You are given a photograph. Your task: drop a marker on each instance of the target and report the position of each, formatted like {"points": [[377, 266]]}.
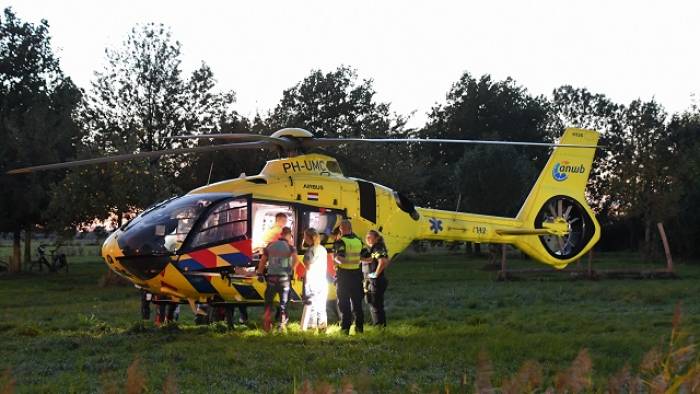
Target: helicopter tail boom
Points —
{"points": [[555, 224]]}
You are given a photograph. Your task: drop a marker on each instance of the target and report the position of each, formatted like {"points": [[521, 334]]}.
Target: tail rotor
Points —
{"points": [[579, 226]]}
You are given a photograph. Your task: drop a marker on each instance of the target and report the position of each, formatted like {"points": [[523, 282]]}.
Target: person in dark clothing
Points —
{"points": [[346, 252], [243, 314], [146, 305], [374, 263], [167, 311]]}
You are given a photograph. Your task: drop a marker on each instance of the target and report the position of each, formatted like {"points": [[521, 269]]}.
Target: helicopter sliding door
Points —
{"points": [[220, 239], [226, 222]]}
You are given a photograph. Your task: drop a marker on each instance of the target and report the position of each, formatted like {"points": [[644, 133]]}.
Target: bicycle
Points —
{"points": [[55, 262]]}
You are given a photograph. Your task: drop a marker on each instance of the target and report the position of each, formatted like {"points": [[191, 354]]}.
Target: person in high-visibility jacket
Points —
{"points": [[349, 278]]}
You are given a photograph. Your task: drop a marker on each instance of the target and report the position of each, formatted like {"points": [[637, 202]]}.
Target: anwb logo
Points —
{"points": [[561, 171]]}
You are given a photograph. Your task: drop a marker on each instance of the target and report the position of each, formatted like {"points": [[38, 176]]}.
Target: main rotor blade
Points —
{"points": [[143, 155], [244, 137], [338, 141], [225, 136]]}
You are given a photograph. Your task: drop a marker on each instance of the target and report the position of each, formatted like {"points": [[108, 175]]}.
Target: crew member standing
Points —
{"points": [[270, 235], [349, 278], [279, 257], [316, 283], [375, 280]]}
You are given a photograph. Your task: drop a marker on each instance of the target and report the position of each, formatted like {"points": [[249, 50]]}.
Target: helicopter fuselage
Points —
{"points": [[202, 246]]}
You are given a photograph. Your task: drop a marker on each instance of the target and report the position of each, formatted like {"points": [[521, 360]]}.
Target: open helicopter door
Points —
{"points": [[323, 220], [264, 231], [219, 242]]}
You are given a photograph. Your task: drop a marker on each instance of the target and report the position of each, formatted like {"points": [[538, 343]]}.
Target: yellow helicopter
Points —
{"points": [[200, 247]]}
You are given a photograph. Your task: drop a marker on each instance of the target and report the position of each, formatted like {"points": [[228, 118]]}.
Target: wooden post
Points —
{"points": [[504, 275], [667, 249]]}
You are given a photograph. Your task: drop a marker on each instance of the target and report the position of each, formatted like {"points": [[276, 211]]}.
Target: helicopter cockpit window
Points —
{"points": [[226, 222], [161, 229], [185, 216], [324, 222], [333, 166]]}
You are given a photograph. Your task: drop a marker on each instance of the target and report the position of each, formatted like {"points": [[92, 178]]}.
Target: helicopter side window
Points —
{"points": [[324, 221], [226, 222]]}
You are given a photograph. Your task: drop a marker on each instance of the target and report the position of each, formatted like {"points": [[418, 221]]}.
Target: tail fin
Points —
{"points": [[557, 202]]}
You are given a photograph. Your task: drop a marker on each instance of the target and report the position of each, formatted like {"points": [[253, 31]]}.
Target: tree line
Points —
{"points": [[647, 173]]}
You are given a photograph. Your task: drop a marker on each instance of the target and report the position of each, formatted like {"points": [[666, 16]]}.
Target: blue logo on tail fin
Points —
{"points": [[561, 171]]}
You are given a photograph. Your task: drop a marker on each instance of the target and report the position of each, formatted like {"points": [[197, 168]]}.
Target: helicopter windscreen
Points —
{"points": [[162, 229]]}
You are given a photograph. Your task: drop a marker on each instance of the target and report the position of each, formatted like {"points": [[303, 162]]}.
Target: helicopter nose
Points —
{"points": [[137, 268], [111, 254]]}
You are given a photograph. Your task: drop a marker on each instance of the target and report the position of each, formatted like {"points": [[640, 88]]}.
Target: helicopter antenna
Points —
{"points": [[210, 170]]}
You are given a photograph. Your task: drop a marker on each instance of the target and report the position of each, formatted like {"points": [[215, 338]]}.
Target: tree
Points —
{"points": [[337, 104], [135, 103], [684, 132], [482, 109], [111, 191], [644, 187], [36, 105], [484, 164], [140, 97]]}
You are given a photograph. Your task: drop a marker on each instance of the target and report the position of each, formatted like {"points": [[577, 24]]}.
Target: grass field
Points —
{"points": [[63, 333]]}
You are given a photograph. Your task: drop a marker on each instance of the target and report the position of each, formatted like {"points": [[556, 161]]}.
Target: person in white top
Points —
{"points": [[316, 287]]}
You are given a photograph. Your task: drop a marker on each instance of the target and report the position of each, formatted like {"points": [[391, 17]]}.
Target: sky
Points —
{"points": [[413, 50]]}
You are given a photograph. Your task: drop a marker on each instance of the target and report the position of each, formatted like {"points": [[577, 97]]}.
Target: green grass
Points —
{"points": [[63, 333]]}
